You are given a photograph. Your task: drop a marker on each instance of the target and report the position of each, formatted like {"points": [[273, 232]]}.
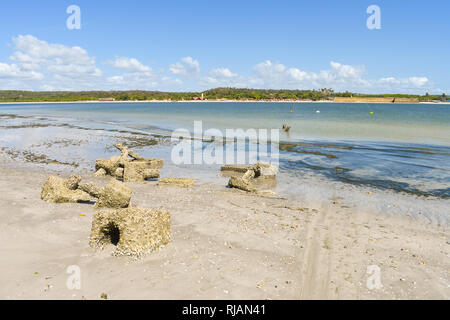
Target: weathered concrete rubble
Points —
{"points": [[129, 166], [265, 170], [114, 195], [179, 182], [259, 170], [100, 172], [59, 190], [241, 183], [72, 182], [119, 172], [108, 165], [90, 188], [137, 171], [234, 168], [133, 231]]}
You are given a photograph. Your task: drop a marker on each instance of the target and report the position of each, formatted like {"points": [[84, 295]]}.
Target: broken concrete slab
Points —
{"points": [[114, 195], [137, 171], [72, 182], [151, 173], [242, 184], [155, 163], [109, 165], [55, 190], [125, 153], [90, 188], [129, 166], [262, 169], [119, 173], [234, 168], [133, 231], [250, 174], [100, 172], [254, 176], [179, 182]]}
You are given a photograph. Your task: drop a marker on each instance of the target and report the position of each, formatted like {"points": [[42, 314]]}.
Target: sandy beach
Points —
{"points": [[226, 244]]}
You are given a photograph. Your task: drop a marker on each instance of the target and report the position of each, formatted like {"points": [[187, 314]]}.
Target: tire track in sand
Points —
{"points": [[316, 259]]}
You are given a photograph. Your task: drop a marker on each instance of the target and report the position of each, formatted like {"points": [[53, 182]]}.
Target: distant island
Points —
{"points": [[217, 94]]}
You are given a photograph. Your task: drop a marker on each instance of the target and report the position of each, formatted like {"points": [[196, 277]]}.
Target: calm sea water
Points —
{"points": [[397, 147], [413, 123]]}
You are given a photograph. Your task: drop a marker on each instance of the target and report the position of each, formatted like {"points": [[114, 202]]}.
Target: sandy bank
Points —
{"points": [[226, 244]]}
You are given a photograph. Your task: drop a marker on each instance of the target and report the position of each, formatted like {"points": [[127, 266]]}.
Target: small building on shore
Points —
{"points": [[198, 98], [106, 99]]}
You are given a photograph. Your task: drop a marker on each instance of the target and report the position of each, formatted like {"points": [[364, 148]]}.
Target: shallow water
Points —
{"points": [[399, 150], [415, 123]]}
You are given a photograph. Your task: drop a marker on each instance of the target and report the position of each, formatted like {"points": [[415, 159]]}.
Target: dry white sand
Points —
{"points": [[226, 244]]}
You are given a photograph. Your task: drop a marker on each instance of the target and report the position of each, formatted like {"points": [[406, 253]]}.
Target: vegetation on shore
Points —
{"points": [[212, 94]]}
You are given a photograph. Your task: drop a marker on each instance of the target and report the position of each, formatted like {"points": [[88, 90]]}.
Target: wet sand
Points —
{"points": [[226, 244]]}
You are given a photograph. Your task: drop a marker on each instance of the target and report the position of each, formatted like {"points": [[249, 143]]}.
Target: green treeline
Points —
{"points": [[212, 94]]}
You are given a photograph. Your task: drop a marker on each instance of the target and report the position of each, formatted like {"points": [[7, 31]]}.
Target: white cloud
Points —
{"points": [[277, 75], [38, 65], [268, 69], [223, 73], [221, 77], [61, 67], [187, 66], [136, 76], [345, 71], [142, 81], [33, 54], [116, 79], [418, 81], [16, 72], [412, 81], [129, 64], [339, 76]]}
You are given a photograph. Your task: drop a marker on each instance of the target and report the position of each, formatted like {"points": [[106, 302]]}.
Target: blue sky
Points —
{"points": [[196, 45]]}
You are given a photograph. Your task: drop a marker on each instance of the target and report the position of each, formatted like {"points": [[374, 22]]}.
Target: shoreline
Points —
{"points": [[214, 101], [76, 143], [226, 244]]}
